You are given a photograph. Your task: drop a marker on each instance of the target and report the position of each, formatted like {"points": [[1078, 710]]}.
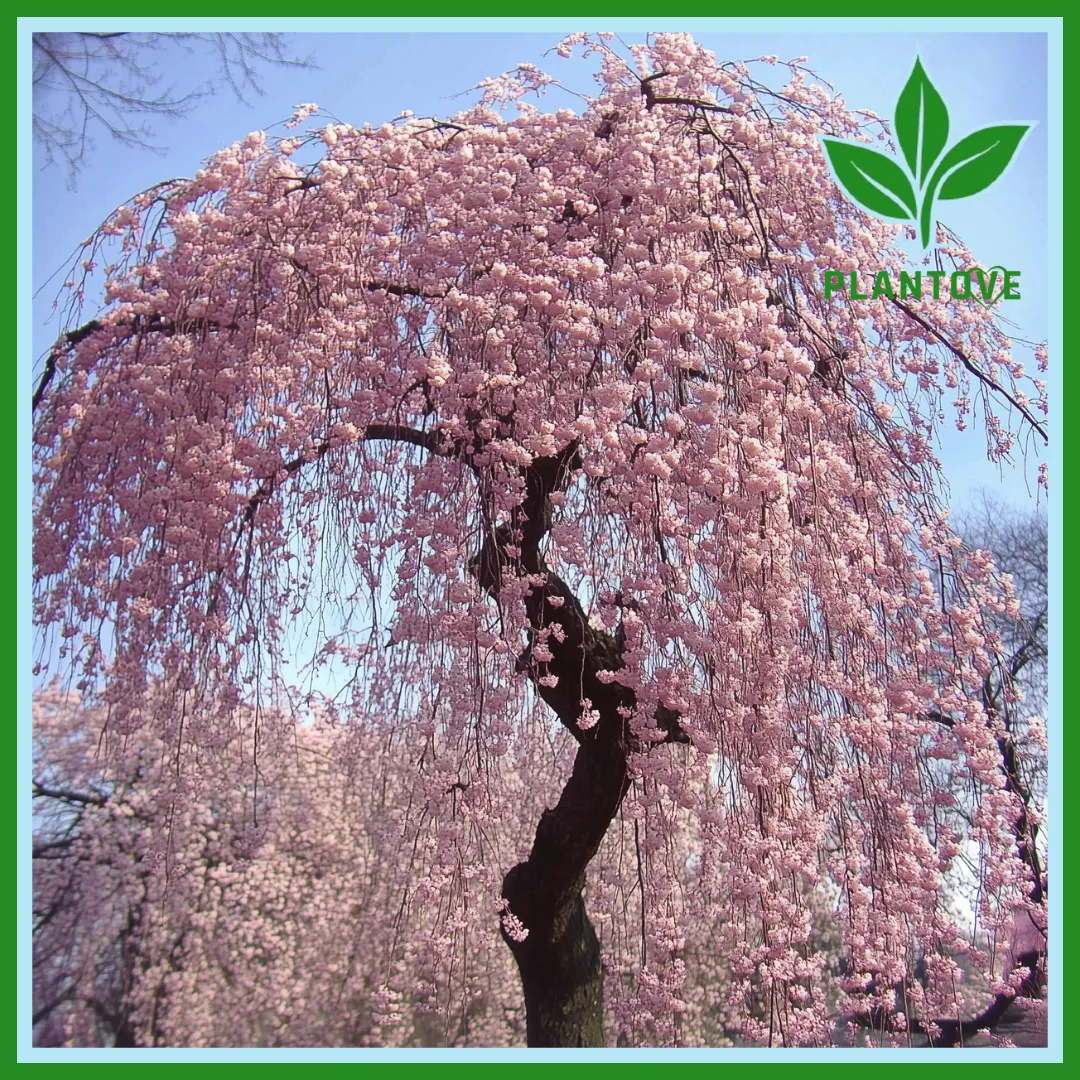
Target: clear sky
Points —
{"points": [[985, 78]]}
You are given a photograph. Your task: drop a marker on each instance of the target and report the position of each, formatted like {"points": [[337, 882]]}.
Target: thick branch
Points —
{"points": [[149, 324], [584, 650], [45, 1010], [401, 290], [653, 98], [426, 440], [67, 341], [163, 324]]}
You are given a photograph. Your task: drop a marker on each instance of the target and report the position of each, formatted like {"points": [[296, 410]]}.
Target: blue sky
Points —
{"points": [[985, 78]]}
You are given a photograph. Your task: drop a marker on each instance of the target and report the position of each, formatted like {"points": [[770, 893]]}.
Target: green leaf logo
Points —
{"points": [[922, 123], [874, 180], [877, 183], [974, 163]]}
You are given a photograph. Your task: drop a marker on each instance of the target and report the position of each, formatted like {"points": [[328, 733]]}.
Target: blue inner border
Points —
{"points": [[1052, 27]]}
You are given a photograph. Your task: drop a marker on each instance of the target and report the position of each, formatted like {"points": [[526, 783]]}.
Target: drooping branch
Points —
{"points": [[975, 370], [947, 1033]]}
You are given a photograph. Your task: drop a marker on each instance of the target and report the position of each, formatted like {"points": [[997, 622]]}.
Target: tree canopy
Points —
{"points": [[524, 449]]}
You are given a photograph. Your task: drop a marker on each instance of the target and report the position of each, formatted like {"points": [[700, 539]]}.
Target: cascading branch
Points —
{"points": [[483, 425]]}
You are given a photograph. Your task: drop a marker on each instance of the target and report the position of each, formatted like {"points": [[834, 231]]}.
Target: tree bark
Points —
{"points": [[559, 959], [561, 974]]}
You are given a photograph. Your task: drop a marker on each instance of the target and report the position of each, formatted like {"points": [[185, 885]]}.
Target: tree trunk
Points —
{"points": [[561, 976], [559, 959]]}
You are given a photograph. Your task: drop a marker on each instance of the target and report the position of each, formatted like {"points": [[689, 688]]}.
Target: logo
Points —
{"points": [[877, 183], [961, 285]]}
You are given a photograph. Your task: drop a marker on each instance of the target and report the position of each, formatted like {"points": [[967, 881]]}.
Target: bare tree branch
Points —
{"points": [[64, 795], [88, 83]]}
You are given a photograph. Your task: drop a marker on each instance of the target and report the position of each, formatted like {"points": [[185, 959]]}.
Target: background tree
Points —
{"points": [[1014, 692], [1019, 545], [272, 915], [108, 83], [1017, 692], [542, 421], [289, 919], [1018, 687]]}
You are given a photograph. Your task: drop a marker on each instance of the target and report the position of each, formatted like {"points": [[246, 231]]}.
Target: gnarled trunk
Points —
{"points": [[559, 959]]}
